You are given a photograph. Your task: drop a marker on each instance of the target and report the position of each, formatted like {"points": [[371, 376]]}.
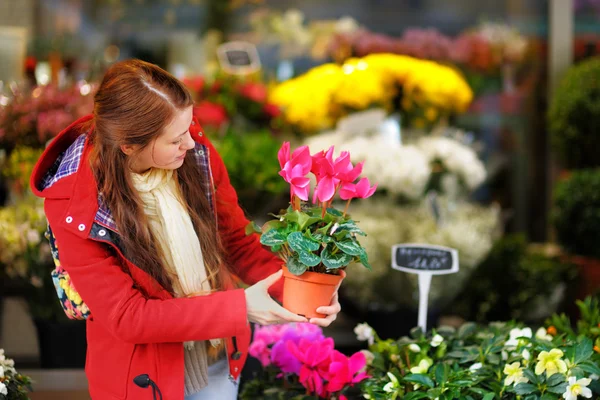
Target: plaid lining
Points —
{"points": [[68, 162], [201, 154]]}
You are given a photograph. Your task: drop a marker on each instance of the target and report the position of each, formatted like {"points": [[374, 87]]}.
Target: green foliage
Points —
{"points": [[251, 161], [311, 240], [576, 213], [474, 361], [512, 281], [574, 115]]}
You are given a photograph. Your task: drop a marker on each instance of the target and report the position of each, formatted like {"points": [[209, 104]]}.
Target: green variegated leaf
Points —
{"points": [[364, 260], [309, 259], [351, 227], [299, 243], [335, 261], [295, 267], [350, 247], [273, 237]]}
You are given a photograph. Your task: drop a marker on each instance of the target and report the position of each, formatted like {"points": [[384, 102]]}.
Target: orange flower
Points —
{"points": [[551, 330], [597, 349]]}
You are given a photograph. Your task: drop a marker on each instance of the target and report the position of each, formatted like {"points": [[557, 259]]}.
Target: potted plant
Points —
{"points": [[299, 362], [576, 219], [315, 241]]}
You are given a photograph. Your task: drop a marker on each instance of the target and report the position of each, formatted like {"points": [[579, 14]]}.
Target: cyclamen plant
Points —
{"points": [[318, 237], [300, 362]]}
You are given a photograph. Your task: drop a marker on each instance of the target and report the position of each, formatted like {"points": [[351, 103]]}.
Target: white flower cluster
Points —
{"points": [[457, 158], [7, 369], [405, 170], [469, 228]]}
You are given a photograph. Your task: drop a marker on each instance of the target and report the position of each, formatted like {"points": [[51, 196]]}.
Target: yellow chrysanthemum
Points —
{"points": [[316, 99]]}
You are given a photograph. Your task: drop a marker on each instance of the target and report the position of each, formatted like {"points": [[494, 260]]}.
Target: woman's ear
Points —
{"points": [[128, 149]]}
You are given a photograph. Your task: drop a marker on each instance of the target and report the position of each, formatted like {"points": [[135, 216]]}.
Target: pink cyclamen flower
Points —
{"points": [[283, 155], [324, 170], [344, 170], [361, 190], [282, 357], [260, 350], [294, 170], [315, 358], [346, 371]]}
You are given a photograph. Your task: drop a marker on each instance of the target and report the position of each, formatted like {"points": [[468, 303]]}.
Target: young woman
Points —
{"points": [[147, 225]]}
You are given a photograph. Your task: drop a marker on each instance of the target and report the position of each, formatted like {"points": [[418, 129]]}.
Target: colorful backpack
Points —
{"points": [[70, 300]]}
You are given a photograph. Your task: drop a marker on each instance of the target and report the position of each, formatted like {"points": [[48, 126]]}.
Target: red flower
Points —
{"points": [[254, 91], [210, 113], [30, 63], [271, 110], [195, 83], [216, 87]]}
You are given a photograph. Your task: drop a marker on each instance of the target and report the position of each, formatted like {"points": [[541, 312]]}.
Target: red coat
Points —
{"points": [[135, 326]]}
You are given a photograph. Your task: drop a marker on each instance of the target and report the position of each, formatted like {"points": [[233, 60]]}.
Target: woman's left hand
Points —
{"points": [[331, 311]]}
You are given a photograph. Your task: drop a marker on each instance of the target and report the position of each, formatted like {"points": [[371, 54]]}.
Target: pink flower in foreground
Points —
{"points": [[315, 358], [295, 170], [361, 190], [260, 350], [346, 371]]}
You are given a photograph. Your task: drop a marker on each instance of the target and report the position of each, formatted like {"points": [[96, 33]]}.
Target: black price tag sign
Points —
{"points": [[416, 258], [240, 58]]}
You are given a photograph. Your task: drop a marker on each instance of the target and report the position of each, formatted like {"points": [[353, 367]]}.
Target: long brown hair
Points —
{"points": [[133, 105]]}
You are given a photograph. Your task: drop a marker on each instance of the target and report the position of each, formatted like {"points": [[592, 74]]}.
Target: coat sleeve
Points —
{"points": [[111, 295], [251, 261]]}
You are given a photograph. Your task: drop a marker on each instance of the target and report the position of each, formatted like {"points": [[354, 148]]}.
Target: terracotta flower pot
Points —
{"points": [[303, 294]]}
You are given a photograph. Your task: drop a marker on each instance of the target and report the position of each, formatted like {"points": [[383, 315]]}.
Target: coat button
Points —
{"points": [[200, 152], [81, 227], [69, 219], [193, 122], [237, 355], [200, 133], [102, 232]]}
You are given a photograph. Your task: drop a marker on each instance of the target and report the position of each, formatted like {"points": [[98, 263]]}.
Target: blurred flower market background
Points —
{"points": [[477, 120]]}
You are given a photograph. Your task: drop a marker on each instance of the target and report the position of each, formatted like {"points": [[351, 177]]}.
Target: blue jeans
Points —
{"points": [[219, 385]]}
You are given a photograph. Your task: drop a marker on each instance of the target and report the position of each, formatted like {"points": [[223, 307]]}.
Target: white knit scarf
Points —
{"points": [[172, 226]]}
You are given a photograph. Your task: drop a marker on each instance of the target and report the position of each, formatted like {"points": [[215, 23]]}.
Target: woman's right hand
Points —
{"points": [[262, 309]]}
